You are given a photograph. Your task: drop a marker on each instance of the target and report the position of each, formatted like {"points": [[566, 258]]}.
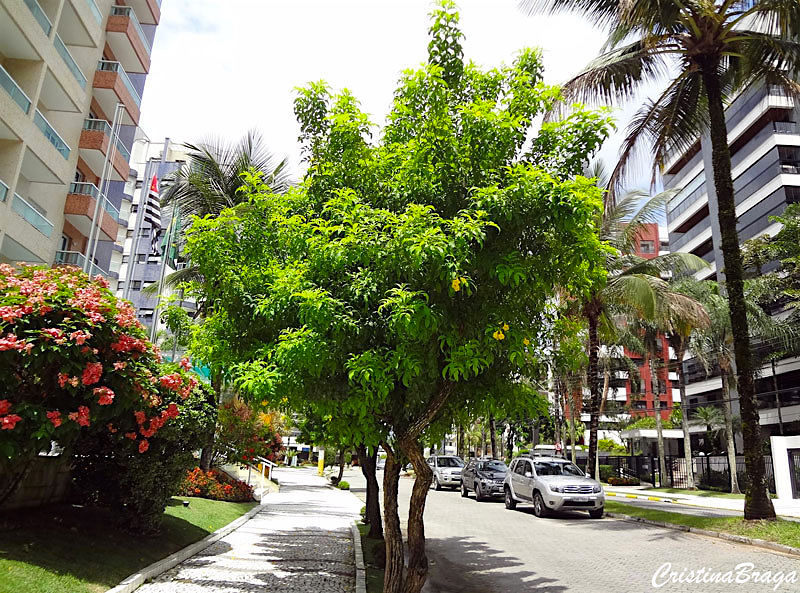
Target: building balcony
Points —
{"points": [[81, 23], [78, 260], [13, 90], [111, 86], [52, 136], [95, 144], [3, 191], [30, 214], [148, 11], [127, 40], [80, 207], [72, 65]]}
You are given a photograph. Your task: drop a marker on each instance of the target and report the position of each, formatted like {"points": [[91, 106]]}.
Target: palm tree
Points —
{"points": [[714, 48], [634, 285], [713, 419]]}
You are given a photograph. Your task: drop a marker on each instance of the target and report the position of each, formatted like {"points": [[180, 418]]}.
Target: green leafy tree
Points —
{"points": [[413, 274], [709, 50]]}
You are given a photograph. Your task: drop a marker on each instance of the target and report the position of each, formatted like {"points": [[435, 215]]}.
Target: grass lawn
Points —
{"points": [[780, 531], [64, 549], [374, 574]]}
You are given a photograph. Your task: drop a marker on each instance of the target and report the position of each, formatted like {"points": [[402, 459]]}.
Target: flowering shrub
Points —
{"points": [[215, 485], [244, 434], [73, 357]]}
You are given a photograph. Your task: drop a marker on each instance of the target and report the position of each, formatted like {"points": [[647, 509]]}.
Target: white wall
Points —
{"points": [[780, 463]]}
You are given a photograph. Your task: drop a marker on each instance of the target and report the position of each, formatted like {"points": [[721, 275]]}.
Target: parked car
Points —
{"points": [[552, 484], [485, 477], [446, 470]]}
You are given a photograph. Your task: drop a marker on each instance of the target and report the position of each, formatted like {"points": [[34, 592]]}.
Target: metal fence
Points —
{"points": [[711, 472], [794, 471]]}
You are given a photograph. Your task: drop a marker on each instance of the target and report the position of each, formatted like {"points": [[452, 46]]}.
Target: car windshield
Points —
{"points": [[556, 468], [450, 462], [493, 466]]}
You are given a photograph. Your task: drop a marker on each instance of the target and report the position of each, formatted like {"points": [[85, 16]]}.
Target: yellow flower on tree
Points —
{"points": [[498, 335], [526, 341], [456, 284], [505, 327]]}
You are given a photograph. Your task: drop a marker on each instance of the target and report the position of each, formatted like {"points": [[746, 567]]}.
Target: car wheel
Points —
{"points": [[511, 504], [464, 493], [596, 513], [478, 492], [436, 484], [539, 508]]}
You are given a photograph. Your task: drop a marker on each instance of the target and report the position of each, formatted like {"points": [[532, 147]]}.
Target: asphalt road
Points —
{"points": [[485, 548]]}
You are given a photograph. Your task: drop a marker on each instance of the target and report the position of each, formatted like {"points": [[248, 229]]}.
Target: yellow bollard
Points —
{"points": [[321, 462]]}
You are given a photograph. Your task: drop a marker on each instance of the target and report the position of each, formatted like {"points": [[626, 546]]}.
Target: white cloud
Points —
{"points": [[223, 67]]}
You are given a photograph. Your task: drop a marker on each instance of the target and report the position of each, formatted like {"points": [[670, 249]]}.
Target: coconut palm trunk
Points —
{"points": [[680, 352], [757, 503], [594, 389], [662, 460], [730, 444]]}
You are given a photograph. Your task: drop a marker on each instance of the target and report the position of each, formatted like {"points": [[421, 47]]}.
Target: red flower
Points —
{"points": [[130, 435], [172, 411], [92, 373], [140, 417], [5, 407], [172, 381], [143, 446], [54, 417], [105, 396], [80, 337], [81, 417], [8, 422]]}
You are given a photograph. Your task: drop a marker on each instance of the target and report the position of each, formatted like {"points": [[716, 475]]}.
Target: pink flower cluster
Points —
{"points": [[80, 337], [55, 418], [7, 420], [64, 378], [126, 316], [105, 396], [11, 342], [92, 372], [127, 343], [89, 301], [173, 381], [81, 416]]}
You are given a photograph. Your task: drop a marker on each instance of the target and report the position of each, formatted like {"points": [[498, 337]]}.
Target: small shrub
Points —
{"points": [[606, 472], [623, 481], [343, 485], [523, 452], [215, 485]]}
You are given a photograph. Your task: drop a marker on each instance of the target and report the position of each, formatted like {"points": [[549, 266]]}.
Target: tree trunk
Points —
{"points": [[510, 440], [393, 537], [341, 466], [368, 463], [493, 436], [662, 460], [483, 440], [757, 504], [207, 453], [730, 444], [573, 433], [687, 437], [417, 570], [594, 390]]}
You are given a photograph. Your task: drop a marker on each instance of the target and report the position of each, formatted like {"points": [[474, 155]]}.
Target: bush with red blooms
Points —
{"points": [[75, 360], [244, 434], [216, 485]]}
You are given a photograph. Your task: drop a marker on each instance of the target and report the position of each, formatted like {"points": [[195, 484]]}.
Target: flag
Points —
{"points": [[152, 208]]}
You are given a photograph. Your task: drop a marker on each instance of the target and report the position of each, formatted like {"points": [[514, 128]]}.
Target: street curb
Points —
{"points": [[136, 580], [739, 539], [650, 498], [361, 569]]}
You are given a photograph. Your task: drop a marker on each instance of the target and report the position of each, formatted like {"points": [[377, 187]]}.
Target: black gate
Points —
{"points": [[794, 471]]}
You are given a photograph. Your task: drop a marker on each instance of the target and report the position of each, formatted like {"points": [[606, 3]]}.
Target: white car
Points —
{"points": [[446, 470], [552, 484]]}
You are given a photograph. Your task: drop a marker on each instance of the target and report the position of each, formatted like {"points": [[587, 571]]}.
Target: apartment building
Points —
{"points": [[65, 66], [764, 139], [139, 265]]}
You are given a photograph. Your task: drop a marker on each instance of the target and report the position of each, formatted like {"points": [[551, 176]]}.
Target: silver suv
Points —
{"points": [[552, 484], [446, 470]]}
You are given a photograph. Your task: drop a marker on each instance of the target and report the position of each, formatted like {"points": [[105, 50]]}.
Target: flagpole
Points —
{"points": [[95, 236], [164, 254]]}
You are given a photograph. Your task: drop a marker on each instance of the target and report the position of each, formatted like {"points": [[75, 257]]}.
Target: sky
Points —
{"points": [[222, 67]]}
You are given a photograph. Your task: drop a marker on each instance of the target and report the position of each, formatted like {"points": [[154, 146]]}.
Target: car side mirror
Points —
{"points": [[528, 474]]}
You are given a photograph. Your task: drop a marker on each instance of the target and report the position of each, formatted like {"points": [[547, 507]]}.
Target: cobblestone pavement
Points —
{"points": [[301, 543], [483, 548]]}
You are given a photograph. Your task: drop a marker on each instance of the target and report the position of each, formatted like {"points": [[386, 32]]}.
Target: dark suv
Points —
{"points": [[484, 477]]}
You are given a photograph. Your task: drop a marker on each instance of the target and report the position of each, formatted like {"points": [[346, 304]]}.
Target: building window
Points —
{"points": [[148, 283], [141, 258], [137, 285], [144, 232], [129, 234], [662, 386], [126, 259], [146, 313], [792, 194], [640, 405], [647, 246], [120, 285], [134, 208]]}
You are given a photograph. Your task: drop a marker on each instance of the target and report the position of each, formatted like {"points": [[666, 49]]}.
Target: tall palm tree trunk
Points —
{"points": [[757, 504], [687, 438], [662, 459], [730, 444], [573, 433], [594, 390]]}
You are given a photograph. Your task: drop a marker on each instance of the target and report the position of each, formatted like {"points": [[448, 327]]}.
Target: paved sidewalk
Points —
{"points": [[300, 543], [784, 508]]}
